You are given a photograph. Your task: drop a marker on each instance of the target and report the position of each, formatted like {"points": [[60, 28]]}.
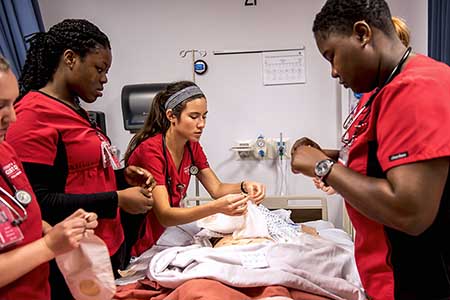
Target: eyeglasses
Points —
{"points": [[18, 219]]}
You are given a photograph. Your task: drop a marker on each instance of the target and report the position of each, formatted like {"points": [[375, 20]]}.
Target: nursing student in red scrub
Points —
{"points": [[66, 156], [396, 151], [27, 243], [168, 146]]}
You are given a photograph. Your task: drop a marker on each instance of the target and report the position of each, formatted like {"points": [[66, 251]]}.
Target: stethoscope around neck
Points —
{"points": [[193, 169], [352, 116], [21, 199]]}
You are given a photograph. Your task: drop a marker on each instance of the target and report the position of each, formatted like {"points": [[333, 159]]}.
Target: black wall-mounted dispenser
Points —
{"points": [[136, 101]]}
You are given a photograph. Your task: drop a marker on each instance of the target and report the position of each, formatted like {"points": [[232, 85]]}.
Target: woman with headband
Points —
{"points": [[168, 146]]}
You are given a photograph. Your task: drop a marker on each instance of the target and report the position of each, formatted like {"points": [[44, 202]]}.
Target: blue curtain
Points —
{"points": [[18, 18], [439, 30]]}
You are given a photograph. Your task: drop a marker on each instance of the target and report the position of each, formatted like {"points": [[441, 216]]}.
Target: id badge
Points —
{"points": [[182, 202], [9, 233], [343, 155], [108, 157]]}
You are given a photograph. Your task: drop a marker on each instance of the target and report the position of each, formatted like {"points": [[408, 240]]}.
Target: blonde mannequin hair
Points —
{"points": [[402, 30]]}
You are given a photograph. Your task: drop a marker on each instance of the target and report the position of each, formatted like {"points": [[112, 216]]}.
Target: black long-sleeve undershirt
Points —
{"points": [[48, 184]]}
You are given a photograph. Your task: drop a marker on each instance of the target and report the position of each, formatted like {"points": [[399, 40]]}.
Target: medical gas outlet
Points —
{"points": [[281, 145], [263, 148], [260, 147]]}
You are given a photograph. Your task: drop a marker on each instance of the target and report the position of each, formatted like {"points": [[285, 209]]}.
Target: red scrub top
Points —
{"points": [[408, 122], [42, 123], [33, 285], [149, 155]]}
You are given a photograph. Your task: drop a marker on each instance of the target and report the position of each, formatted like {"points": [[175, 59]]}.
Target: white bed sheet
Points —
{"points": [[312, 264], [323, 265]]}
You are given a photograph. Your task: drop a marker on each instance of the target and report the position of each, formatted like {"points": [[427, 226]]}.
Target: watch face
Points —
{"points": [[323, 167]]}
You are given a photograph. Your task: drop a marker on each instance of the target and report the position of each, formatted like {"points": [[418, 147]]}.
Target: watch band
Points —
{"points": [[324, 179]]}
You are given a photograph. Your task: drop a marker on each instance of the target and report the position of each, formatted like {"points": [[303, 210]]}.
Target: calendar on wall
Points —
{"points": [[284, 67]]}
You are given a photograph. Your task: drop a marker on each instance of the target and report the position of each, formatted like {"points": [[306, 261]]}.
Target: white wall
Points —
{"points": [[415, 12], [147, 36]]}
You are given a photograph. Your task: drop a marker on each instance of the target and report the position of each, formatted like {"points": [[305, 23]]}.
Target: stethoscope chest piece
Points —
{"points": [[193, 170], [23, 197]]}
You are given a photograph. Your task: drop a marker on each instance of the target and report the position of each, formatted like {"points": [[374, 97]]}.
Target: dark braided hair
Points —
{"points": [[338, 16], [46, 48], [157, 121]]}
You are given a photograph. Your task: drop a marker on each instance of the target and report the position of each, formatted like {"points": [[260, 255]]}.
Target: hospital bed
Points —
{"points": [[303, 209]]}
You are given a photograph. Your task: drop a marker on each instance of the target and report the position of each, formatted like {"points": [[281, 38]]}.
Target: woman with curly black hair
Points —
{"points": [[66, 156]]}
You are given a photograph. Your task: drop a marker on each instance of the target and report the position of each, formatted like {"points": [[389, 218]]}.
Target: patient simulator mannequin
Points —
{"points": [[168, 146]]}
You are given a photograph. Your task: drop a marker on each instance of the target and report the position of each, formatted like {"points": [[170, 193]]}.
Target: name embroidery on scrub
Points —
{"points": [[398, 156], [12, 170]]}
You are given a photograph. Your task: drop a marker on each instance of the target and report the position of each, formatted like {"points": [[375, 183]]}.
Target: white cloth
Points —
{"points": [[251, 225], [255, 225], [313, 265], [322, 264], [181, 235], [222, 223]]}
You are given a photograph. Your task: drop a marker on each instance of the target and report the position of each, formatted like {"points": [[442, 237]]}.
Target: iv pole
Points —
{"points": [[183, 54]]}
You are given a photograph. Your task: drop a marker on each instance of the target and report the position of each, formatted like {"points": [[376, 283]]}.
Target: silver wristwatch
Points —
{"points": [[323, 168]]}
